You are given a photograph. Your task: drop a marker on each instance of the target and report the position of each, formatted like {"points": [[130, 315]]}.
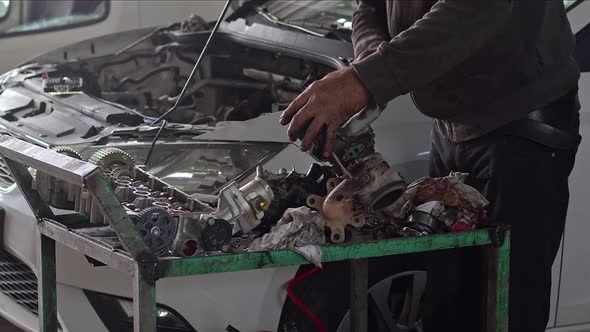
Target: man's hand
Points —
{"points": [[327, 103]]}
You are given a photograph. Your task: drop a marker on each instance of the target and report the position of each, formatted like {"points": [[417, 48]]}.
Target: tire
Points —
{"points": [[396, 285]]}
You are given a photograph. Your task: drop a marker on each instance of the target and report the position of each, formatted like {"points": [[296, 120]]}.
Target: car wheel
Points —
{"points": [[396, 288]]}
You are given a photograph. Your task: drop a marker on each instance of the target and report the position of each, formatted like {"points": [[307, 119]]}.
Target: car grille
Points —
{"points": [[6, 179], [18, 282]]}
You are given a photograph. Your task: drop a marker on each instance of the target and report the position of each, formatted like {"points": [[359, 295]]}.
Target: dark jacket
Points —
{"points": [[475, 65]]}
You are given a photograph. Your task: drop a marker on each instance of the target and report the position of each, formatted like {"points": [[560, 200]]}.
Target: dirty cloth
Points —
{"points": [[300, 229], [458, 205]]}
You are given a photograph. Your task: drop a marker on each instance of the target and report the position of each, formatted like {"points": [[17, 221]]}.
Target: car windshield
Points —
{"points": [[328, 13]]}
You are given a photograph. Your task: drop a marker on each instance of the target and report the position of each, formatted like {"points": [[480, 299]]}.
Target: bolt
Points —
{"points": [[211, 221], [155, 231], [262, 205]]}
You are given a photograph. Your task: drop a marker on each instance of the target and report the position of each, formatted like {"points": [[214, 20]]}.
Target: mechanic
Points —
{"points": [[499, 79]]}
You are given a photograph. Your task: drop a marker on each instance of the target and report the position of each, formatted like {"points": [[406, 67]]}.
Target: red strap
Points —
{"points": [[306, 311]]}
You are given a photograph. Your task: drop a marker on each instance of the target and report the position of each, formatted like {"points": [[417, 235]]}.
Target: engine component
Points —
{"points": [[62, 85], [291, 189], [142, 199], [244, 207], [112, 159], [369, 185], [157, 227], [238, 210], [67, 151], [123, 190], [421, 223], [57, 193], [198, 232], [217, 235], [160, 211], [188, 239]]}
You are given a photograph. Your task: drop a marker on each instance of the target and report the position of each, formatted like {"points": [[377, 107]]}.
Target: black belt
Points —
{"points": [[545, 126]]}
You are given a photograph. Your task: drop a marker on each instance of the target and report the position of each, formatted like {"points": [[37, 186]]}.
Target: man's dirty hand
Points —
{"points": [[327, 103]]}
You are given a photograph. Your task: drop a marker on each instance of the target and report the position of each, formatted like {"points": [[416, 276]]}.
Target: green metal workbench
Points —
{"points": [[145, 268]]}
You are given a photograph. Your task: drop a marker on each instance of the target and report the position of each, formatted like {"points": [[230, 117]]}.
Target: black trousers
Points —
{"points": [[527, 184]]}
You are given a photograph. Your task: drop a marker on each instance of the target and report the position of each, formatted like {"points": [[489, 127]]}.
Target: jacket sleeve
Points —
{"points": [[451, 32], [369, 24]]}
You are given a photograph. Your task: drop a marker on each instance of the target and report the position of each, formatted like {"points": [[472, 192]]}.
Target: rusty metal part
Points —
{"points": [[371, 187], [337, 209]]}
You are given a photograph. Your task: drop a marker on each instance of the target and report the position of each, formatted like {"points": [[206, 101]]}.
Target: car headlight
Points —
{"points": [[116, 314]]}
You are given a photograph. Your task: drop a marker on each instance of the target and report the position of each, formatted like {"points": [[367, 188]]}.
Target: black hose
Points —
{"points": [[147, 75]]}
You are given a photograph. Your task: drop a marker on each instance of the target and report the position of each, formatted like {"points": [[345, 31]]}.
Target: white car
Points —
{"points": [[264, 54]]}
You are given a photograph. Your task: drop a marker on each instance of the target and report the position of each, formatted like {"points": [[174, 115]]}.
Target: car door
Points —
{"points": [[573, 305]]}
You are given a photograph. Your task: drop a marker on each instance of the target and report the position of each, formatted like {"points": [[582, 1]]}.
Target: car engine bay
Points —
{"points": [[84, 101]]}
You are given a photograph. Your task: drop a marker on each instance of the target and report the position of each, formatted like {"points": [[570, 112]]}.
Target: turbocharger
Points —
{"points": [[367, 183]]}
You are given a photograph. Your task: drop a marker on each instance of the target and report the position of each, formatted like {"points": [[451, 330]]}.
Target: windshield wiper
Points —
{"points": [[262, 11]]}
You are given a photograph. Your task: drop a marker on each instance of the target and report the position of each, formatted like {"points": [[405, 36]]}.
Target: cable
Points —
{"points": [[190, 78], [149, 154], [138, 41], [196, 66], [297, 301]]}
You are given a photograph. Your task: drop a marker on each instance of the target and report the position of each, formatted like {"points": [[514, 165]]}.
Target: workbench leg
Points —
{"points": [[498, 260], [47, 285], [359, 285], [144, 302]]}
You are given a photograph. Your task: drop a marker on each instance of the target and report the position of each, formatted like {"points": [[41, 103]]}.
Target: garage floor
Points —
{"points": [[7, 327]]}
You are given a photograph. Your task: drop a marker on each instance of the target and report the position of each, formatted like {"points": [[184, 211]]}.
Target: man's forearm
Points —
{"points": [[451, 32], [369, 26]]}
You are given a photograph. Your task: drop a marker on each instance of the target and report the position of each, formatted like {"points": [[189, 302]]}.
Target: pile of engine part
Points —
{"points": [[287, 210], [365, 188], [169, 221], [434, 205]]}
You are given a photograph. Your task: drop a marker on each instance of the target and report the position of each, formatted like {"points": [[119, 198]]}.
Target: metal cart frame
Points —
{"points": [[145, 268]]}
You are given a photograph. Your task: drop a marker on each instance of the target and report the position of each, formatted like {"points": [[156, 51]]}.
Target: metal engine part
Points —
{"points": [[157, 227], [368, 185], [291, 189], [57, 193], [421, 223], [116, 161], [199, 232], [244, 207], [167, 219], [238, 210], [217, 235]]}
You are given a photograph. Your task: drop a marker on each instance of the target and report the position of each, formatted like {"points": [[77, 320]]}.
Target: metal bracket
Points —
{"points": [[498, 234], [149, 270]]}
